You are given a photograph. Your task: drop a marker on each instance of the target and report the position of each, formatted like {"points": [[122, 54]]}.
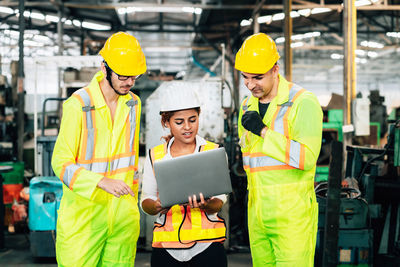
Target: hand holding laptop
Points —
{"points": [[159, 208], [188, 175], [209, 205]]}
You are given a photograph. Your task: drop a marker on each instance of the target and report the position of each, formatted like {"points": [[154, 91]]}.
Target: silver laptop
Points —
{"points": [[205, 172]]}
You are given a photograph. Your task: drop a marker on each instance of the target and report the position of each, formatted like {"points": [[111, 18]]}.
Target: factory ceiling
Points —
{"points": [[176, 32]]}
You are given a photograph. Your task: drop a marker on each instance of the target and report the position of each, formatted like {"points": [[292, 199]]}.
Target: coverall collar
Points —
{"points": [[283, 90], [281, 97]]}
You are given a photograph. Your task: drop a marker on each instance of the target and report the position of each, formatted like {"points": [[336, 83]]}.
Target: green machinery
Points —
{"points": [[368, 223], [332, 130]]}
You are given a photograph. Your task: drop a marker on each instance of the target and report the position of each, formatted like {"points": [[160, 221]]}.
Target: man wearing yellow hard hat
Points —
{"points": [[280, 131], [96, 158]]}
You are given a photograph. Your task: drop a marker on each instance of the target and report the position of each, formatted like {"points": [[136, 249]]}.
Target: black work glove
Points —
{"points": [[252, 122]]}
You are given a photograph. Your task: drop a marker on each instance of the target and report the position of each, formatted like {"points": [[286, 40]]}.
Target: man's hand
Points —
{"points": [[252, 122], [115, 187]]}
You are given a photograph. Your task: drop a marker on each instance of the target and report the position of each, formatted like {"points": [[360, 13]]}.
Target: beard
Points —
{"points": [[118, 92]]}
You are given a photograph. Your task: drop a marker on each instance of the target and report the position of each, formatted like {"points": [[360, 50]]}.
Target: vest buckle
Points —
{"points": [[88, 108]]}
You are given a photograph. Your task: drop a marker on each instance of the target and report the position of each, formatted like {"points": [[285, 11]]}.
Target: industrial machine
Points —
{"points": [[45, 196], [332, 130], [45, 144], [369, 209], [378, 174]]}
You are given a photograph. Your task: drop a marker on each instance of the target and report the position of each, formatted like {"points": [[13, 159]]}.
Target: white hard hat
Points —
{"points": [[178, 96]]}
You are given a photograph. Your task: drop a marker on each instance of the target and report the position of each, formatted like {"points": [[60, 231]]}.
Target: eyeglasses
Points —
{"points": [[122, 77]]}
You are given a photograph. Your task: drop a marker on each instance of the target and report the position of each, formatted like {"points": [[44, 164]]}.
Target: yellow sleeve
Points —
{"points": [[137, 130], [305, 122], [240, 127]]}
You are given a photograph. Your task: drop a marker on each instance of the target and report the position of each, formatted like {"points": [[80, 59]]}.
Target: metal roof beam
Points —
{"points": [[202, 6]]}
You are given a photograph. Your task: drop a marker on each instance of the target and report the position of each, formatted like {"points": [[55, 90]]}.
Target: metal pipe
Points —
{"points": [[20, 84], [201, 66], [349, 68], [288, 40]]}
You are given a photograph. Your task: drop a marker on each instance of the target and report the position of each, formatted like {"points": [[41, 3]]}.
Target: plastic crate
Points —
{"points": [[321, 174], [16, 176], [11, 192]]}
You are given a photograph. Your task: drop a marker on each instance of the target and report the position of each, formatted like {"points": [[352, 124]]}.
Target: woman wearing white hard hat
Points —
{"points": [[177, 241]]}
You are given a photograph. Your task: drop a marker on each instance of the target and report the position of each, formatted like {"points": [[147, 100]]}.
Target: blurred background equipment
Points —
{"points": [[44, 200]]}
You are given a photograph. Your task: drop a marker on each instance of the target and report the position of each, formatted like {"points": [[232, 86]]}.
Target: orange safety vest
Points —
{"points": [[184, 227]]}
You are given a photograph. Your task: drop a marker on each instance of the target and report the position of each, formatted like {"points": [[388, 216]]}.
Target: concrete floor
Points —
{"points": [[17, 253]]}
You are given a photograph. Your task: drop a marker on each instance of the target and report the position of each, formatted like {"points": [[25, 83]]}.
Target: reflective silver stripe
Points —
{"points": [[101, 167], [294, 154], [265, 161], [69, 173], [97, 167], [246, 161], [279, 123], [245, 107], [132, 160], [132, 119], [122, 163], [86, 100], [89, 122]]}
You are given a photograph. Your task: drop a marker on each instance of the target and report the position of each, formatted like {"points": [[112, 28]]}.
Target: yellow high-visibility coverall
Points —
{"points": [[94, 228], [280, 168]]}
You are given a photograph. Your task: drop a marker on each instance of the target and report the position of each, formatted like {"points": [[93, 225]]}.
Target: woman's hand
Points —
{"points": [[159, 208], [210, 205], [153, 207]]}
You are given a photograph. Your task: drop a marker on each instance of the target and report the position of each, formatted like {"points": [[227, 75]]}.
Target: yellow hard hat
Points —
{"points": [[123, 54], [257, 55]]}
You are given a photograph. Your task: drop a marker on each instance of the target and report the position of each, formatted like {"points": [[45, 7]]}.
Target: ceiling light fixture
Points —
{"points": [[304, 12], [364, 2], [393, 34], [372, 54], [264, 19], [372, 44], [336, 56], [6, 10], [319, 10], [95, 26], [159, 9], [299, 37], [296, 44], [246, 22], [278, 16]]}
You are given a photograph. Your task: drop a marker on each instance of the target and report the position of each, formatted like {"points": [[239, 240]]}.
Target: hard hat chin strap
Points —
{"points": [[109, 74]]}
